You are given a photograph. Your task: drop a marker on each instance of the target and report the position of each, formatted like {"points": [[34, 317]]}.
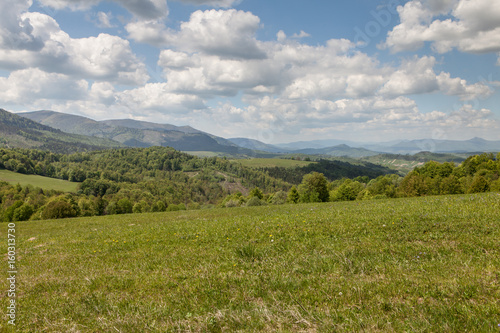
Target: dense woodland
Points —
{"points": [[137, 180], [127, 180], [332, 170]]}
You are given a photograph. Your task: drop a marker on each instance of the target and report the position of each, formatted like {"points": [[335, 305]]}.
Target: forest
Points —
{"points": [[138, 180]]}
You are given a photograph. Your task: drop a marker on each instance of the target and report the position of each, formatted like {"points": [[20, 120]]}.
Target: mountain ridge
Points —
{"points": [[20, 132], [135, 133]]}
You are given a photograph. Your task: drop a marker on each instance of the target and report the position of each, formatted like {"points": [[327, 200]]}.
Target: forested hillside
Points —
{"points": [[331, 169], [126, 181], [19, 132]]}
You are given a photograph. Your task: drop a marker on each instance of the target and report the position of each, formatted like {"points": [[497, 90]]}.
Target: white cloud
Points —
{"points": [[104, 20], [16, 32], [300, 35], [471, 26], [226, 33], [417, 76], [214, 3], [104, 57], [29, 85], [145, 9], [157, 96], [152, 32]]}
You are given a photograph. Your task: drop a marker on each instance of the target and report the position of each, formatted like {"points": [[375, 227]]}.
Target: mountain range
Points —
{"points": [[19, 132], [45, 129], [133, 133]]}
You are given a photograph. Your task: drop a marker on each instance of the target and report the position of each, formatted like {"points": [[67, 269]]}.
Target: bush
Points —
{"points": [[314, 188], [479, 185], [58, 210], [232, 203], [124, 206], [279, 198], [23, 213], [9, 212], [293, 195], [254, 201]]}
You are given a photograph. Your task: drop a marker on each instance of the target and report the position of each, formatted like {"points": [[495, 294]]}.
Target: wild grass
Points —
{"points": [[37, 181], [429, 264]]}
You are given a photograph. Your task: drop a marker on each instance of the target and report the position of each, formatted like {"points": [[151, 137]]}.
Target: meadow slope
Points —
{"points": [[428, 264]]}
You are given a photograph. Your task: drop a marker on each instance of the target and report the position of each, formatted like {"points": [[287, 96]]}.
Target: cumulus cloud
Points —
{"points": [[468, 25], [214, 3], [145, 9], [16, 32], [417, 76], [29, 85], [211, 75], [226, 33], [104, 57]]}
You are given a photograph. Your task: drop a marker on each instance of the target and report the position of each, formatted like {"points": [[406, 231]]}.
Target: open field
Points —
{"points": [[37, 181], [272, 162], [429, 264]]}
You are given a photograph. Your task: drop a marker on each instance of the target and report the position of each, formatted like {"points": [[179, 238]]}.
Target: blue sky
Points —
{"points": [[276, 71]]}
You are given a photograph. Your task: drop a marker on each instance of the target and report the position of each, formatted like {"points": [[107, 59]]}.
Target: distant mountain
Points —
{"points": [[338, 151], [19, 132], [395, 147], [315, 144], [257, 145], [135, 133], [439, 146]]}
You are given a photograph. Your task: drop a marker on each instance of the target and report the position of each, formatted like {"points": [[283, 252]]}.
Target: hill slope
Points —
{"points": [[339, 151], [135, 133], [19, 132], [381, 266]]}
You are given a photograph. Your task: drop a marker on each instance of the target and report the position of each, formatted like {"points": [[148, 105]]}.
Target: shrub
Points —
{"points": [[254, 201], [23, 213], [58, 210], [279, 198]]}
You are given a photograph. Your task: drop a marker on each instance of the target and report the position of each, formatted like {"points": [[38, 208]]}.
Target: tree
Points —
{"points": [[23, 213], [124, 206], [293, 195], [348, 191], [279, 198], [479, 185], [314, 188], [254, 201], [256, 192], [58, 210]]}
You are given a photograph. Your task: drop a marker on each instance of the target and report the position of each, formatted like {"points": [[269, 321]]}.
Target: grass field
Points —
{"points": [[271, 162], [38, 181], [429, 264]]}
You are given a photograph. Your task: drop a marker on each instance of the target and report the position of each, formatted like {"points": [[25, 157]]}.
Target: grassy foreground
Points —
{"points": [[38, 181], [427, 264]]}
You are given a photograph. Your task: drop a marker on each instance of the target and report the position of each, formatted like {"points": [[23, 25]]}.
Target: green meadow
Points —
{"points": [[37, 181], [427, 264]]}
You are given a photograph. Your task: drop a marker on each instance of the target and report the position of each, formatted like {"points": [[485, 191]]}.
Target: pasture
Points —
{"points": [[38, 181], [428, 264]]}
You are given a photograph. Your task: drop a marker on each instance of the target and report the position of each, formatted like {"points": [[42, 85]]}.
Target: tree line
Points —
{"points": [[477, 174]]}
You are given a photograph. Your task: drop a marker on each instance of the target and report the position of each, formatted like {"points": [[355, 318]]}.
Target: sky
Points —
{"points": [[276, 71]]}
